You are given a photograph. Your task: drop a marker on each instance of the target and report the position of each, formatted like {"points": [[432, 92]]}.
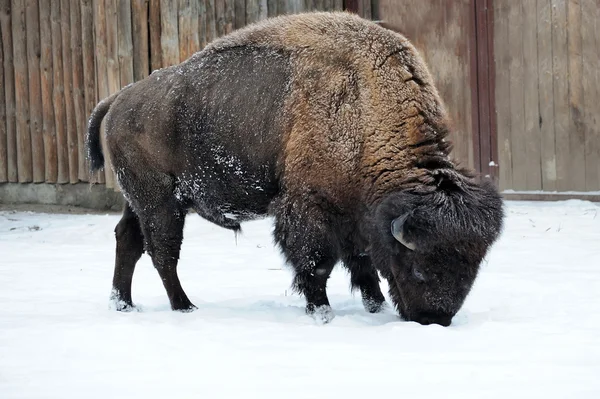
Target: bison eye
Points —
{"points": [[418, 274]]}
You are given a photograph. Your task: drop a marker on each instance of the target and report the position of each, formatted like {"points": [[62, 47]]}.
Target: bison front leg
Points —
{"points": [[163, 229], [130, 247], [302, 232], [364, 277]]}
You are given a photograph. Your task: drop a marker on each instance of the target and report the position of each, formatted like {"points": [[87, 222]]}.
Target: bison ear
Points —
{"points": [[398, 231]]}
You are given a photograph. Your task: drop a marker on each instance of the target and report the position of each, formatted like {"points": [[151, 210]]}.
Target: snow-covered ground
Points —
{"points": [[529, 329]]}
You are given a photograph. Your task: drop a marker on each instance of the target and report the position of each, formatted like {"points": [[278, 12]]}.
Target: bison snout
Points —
{"points": [[427, 318]]}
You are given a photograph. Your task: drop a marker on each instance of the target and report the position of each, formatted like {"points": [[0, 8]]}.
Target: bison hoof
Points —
{"points": [[185, 308], [373, 306], [322, 314], [120, 305]]}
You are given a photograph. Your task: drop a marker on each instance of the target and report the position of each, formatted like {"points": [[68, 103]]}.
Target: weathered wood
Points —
{"points": [[188, 28], [252, 11], [9, 91], [560, 72], [591, 104], [272, 6], [32, 17], [211, 27], [339, 5], [155, 35], [169, 37], [532, 132], [58, 94], [240, 13], [577, 162], [48, 131], [88, 50], [3, 142], [546, 96], [282, 7], [78, 83], [202, 23], [502, 61], [125, 43], [19, 30], [141, 59], [220, 17], [518, 140], [113, 75], [229, 16], [72, 139], [263, 11]]}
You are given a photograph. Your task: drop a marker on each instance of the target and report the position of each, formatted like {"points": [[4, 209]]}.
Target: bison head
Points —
{"points": [[429, 246]]}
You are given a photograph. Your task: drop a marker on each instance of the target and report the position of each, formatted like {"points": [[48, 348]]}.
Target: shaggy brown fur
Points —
{"points": [[325, 121]]}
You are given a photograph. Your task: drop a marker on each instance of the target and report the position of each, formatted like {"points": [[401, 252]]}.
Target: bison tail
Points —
{"points": [[94, 149]]}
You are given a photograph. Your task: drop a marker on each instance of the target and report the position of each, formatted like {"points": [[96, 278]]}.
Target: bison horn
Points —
{"points": [[397, 231]]}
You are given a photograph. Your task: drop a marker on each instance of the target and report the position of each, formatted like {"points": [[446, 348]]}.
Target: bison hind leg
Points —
{"points": [[130, 247]]}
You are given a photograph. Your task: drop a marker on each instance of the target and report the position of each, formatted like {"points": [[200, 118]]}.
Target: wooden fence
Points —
{"points": [[58, 58], [547, 61]]}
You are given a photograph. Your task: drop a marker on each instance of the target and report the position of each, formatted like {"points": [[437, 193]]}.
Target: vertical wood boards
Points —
{"points": [[46, 76], [9, 91], [19, 29], [154, 26], [546, 95], [78, 88], [139, 20], [32, 17], [58, 94]]}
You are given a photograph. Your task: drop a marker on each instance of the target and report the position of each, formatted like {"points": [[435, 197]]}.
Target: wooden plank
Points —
{"points": [[154, 28], [252, 10], [113, 74], [188, 28], [591, 60], [263, 11], [141, 59], [78, 88], [502, 56], [3, 142], [19, 31], [560, 71], [72, 139], [491, 95], [533, 161], [282, 7], [576, 165], [102, 69], [240, 13], [169, 39], [546, 96], [88, 50], [32, 17], [48, 130], [518, 141], [9, 91], [125, 43], [272, 7], [58, 95], [339, 5], [220, 17], [596, 116], [229, 16], [202, 23], [211, 27]]}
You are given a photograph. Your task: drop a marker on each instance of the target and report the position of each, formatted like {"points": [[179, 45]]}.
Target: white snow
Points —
{"points": [[529, 329]]}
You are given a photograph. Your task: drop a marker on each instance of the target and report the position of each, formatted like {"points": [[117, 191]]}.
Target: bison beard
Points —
{"points": [[326, 122]]}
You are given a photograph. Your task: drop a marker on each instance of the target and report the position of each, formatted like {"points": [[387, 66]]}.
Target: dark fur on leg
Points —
{"points": [[130, 247], [364, 277], [163, 229]]}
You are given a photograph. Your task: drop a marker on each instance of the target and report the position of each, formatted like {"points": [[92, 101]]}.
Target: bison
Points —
{"points": [[326, 122]]}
